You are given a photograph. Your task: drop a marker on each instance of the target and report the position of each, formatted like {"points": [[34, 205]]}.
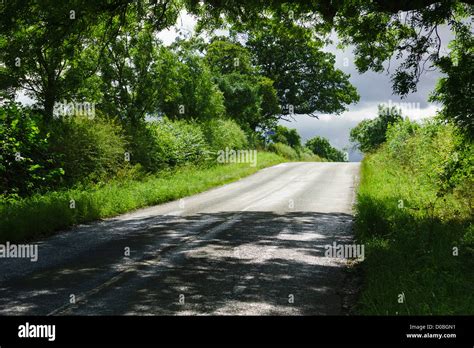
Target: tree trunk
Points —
{"points": [[49, 99]]}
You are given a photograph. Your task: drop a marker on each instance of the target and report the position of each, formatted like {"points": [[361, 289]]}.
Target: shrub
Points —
{"points": [[370, 134], [165, 143], [437, 152], [284, 150], [398, 135], [88, 150], [220, 134], [321, 147], [26, 166], [414, 205], [307, 155]]}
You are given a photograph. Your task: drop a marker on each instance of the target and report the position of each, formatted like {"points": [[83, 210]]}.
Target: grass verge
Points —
{"points": [[418, 247], [42, 215]]}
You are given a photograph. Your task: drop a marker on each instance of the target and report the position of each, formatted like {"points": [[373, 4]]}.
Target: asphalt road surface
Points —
{"points": [[252, 247]]}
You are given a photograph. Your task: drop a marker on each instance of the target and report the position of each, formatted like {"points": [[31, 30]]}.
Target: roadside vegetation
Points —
{"points": [[86, 169], [41, 215], [414, 214], [120, 121]]}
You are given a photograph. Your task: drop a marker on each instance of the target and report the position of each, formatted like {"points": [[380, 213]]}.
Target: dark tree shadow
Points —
{"points": [[220, 263]]}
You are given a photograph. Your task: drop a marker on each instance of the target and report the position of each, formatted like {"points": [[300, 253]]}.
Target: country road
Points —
{"points": [[252, 247]]}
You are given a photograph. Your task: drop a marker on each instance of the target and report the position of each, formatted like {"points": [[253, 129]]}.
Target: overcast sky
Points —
{"points": [[374, 89]]}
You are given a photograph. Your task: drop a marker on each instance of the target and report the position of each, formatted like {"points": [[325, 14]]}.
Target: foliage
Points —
{"points": [[456, 89], [198, 97], [226, 57], [286, 136], [53, 49], [137, 76], [435, 152], [304, 75], [375, 29], [369, 134], [164, 143], [411, 224], [220, 133], [321, 147], [88, 150], [306, 155], [241, 99], [26, 165], [249, 98], [284, 150]]}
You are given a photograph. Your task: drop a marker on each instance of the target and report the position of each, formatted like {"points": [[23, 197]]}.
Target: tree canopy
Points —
{"points": [[304, 75], [378, 29], [274, 61], [320, 146], [371, 133]]}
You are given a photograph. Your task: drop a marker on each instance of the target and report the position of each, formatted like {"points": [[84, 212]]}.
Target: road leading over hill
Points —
{"points": [[252, 247]]}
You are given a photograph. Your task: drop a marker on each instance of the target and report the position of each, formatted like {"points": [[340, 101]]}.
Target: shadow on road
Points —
{"points": [[219, 263]]}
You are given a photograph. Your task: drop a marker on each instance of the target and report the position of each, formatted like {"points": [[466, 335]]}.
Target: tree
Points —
{"points": [[198, 96], [226, 57], [46, 46], [377, 29], [305, 78], [320, 146], [141, 77], [137, 74], [286, 136], [370, 134], [456, 89], [250, 98], [25, 161]]}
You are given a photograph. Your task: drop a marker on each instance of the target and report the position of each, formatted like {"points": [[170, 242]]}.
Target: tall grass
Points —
{"points": [[418, 237], [42, 215]]}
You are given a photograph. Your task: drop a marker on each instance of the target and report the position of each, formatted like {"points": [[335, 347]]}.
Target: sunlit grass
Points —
{"points": [[409, 235], [42, 215]]}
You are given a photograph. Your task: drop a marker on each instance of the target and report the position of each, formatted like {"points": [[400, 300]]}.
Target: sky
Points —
{"points": [[373, 88]]}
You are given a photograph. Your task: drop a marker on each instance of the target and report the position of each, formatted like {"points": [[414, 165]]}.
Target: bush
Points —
{"points": [[437, 152], [164, 143], [286, 136], [370, 134], [88, 150], [26, 165], [307, 155], [398, 135], [321, 147], [220, 134], [414, 205], [284, 150]]}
